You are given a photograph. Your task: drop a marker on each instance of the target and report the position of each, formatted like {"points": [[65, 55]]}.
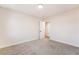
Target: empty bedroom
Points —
{"points": [[39, 29]]}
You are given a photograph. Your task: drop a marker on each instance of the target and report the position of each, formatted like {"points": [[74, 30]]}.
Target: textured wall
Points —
{"points": [[65, 27], [17, 27]]}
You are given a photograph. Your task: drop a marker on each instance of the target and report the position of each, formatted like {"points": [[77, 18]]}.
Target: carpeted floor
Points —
{"points": [[40, 47]]}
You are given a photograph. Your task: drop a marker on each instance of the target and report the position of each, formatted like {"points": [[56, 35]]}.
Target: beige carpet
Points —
{"points": [[40, 47]]}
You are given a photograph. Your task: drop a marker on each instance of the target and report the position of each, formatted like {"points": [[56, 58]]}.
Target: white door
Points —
{"points": [[42, 29]]}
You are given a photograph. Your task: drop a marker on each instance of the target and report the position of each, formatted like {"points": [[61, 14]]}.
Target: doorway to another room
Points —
{"points": [[44, 33]]}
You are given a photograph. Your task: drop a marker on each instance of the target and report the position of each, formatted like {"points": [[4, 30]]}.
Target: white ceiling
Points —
{"points": [[48, 10]]}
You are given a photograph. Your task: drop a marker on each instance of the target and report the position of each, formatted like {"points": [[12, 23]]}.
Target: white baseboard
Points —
{"points": [[15, 43], [66, 43]]}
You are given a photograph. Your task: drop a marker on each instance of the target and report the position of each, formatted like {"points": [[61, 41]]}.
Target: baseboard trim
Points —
{"points": [[15, 43], [65, 43]]}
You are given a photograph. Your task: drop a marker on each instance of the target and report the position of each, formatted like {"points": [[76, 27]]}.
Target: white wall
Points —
{"points": [[17, 27], [65, 27]]}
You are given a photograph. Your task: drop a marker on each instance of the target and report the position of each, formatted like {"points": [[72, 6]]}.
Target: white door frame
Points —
{"points": [[42, 29]]}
